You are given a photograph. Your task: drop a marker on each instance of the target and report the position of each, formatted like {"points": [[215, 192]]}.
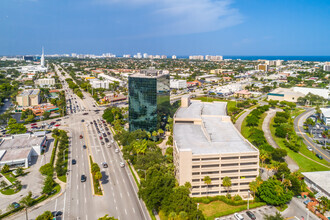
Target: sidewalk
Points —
{"points": [[265, 127]]}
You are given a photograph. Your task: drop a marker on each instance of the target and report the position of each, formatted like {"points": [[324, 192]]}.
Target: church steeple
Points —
{"points": [[42, 60]]}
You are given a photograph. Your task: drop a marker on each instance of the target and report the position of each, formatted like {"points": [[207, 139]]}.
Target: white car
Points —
{"points": [[117, 150], [122, 164], [238, 216], [309, 148]]}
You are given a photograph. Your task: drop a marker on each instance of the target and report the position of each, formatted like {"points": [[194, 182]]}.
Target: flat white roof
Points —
{"points": [[325, 112], [320, 178], [216, 135]]}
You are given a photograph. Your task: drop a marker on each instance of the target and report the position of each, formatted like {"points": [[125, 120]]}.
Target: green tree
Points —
{"points": [[252, 121], [19, 171], [98, 175], [15, 128], [5, 168], [46, 115], [106, 217], [95, 168], [157, 186], [277, 216], [3, 184], [183, 215], [47, 215], [172, 216], [226, 182], [253, 187], [27, 200], [47, 169], [48, 185], [207, 180], [30, 118], [272, 192]]}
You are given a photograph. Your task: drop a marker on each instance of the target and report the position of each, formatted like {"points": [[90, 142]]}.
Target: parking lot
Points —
{"points": [[258, 212]]}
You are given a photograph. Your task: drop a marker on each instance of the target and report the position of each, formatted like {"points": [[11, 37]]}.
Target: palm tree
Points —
{"points": [[263, 156], [277, 216], [3, 184], [253, 187], [207, 180], [172, 216], [226, 182], [27, 201], [183, 215], [286, 183]]}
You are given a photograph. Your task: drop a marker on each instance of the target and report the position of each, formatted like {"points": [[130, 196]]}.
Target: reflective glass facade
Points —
{"points": [[149, 100]]}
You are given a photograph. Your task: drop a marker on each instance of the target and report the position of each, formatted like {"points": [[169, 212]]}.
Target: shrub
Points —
{"points": [[237, 198]]}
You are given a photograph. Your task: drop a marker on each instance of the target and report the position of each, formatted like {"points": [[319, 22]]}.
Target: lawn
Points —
{"points": [[304, 164], [219, 208], [10, 177], [245, 129], [8, 191], [62, 178]]}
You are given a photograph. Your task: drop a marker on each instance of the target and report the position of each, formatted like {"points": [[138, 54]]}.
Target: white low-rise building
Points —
{"points": [[325, 115], [178, 84], [96, 83], [45, 82], [17, 150]]}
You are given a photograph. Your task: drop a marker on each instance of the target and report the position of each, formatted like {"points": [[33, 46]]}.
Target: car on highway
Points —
{"points": [[122, 164], [83, 178], [81, 137], [86, 113], [91, 123], [16, 205], [251, 215], [58, 119], [117, 150], [108, 133], [74, 161], [104, 135], [57, 214], [102, 143], [57, 125], [238, 216], [84, 146], [106, 140], [101, 137], [319, 156], [104, 165], [33, 124], [82, 120]]}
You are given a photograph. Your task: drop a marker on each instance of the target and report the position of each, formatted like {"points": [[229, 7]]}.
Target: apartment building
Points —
{"points": [[46, 82], [30, 97], [206, 143]]}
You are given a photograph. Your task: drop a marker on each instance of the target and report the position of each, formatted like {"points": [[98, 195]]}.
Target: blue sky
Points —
{"points": [[181, 27]]}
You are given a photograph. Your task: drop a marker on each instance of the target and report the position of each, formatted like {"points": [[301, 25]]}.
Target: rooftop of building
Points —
{"points": [[21, 141], [215, 134], [321, 178], [29, 92], [325, 112], [149, 73]]}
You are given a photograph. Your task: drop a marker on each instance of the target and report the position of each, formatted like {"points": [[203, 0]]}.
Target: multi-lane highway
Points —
{"points": [[77, 200]]}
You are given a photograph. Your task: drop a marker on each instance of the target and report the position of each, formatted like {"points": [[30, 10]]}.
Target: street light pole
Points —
{"points": [[307, 213], [248, 200]]}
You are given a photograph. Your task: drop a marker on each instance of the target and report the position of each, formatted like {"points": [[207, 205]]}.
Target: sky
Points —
{"points": [[180, 27]]}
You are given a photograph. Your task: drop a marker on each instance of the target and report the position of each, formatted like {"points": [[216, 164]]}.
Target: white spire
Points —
{"points": [[42, 60]]}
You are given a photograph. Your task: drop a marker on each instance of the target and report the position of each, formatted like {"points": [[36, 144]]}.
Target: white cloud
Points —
{"points": [[176, 17]]}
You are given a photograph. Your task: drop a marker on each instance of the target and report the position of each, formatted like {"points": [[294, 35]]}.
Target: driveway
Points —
{"points": [[297, 208], [265, 127], [33, 181], [258, 212]]}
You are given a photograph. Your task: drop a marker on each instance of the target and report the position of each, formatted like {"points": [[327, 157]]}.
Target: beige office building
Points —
{"points": [[30, 97], [206, 143]]}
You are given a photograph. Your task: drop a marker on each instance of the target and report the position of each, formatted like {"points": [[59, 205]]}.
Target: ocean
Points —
{"points": [[303, 58]]}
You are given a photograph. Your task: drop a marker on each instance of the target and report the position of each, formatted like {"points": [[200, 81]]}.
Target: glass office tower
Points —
{"points": [[149, 99]]}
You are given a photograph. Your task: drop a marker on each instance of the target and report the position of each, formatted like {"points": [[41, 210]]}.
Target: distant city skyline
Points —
{"points": [[166, 27]]}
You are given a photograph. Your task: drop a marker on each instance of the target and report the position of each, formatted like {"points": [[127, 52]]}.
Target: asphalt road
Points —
{"points": [[298, 126], [77, 200]]}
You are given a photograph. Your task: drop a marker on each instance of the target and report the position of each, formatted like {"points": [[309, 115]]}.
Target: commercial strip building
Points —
{"points": [[149, 99], [17, 150], [318, 182], [178, 84], [292, 94], [28, 97], [206, 143]]}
